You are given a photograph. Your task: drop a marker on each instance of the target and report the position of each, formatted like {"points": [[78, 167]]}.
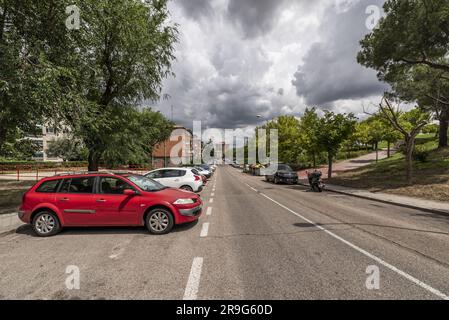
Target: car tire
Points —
{"points": [[276, 181], [159, 221], [187, 188], [46, 224]]}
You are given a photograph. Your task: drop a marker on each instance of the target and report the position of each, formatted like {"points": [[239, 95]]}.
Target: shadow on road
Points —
{"points": [[28, 230], [355, 225]]}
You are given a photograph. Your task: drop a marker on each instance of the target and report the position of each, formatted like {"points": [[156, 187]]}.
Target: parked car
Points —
{"points": [[208, 167], [203, 177], [283, 173], [204, 172], [182, 178], [106, 199]]}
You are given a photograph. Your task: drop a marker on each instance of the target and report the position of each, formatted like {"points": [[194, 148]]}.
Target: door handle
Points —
{"points": [[101, 200], [64, 199]]}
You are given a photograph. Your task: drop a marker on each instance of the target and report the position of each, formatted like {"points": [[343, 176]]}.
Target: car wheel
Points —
{"points": [[276, 180], [187, 188], [46, 224], [159, 221]]}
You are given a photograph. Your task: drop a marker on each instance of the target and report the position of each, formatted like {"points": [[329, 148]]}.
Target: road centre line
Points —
{"points": [[211, 200], [191, 291], [204, 230], [364, 252]]}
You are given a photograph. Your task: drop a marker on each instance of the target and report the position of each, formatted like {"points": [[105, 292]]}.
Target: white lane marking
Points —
{"points": [[193, 283], [209, 211], [366, 253], [212, 194], [254, 189], [211, 200], [204, 230]]}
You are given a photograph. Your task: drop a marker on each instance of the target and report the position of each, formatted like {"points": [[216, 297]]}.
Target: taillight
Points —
{"points": [[197, 178]]}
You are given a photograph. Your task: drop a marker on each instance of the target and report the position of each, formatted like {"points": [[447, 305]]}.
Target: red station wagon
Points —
{"points": [[106, 199]]}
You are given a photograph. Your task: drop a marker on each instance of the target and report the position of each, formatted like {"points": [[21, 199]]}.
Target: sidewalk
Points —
{"points": [[349, 164], [9, 222], [403, 201]]}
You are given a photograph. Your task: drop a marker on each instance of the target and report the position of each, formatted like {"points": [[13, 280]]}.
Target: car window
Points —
{"points": [[110, 185], [284, 167], [78, 185], [145, 183], [194, 171], [173, 173], [155, 174], [48, 186]]}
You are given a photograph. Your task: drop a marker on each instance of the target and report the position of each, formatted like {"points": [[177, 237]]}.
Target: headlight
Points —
{"points": [[184, 201]]}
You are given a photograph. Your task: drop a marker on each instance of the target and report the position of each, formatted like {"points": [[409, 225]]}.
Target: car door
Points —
{"points": [[75, 201], [115, 208]]}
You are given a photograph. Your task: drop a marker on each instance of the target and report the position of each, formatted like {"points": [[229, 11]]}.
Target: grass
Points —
{"points": [[11, 194], [430, 178]]}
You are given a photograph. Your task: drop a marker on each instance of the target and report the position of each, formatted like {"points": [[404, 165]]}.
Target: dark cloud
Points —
{"points": [[330, 71], [196, 8], [255, 17]]}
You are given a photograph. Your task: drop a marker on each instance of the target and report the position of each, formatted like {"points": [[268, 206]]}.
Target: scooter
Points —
{"points": [[315, 181]]}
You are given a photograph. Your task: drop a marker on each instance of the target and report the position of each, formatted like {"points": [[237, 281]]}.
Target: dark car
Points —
{"points": [[283, 173]]}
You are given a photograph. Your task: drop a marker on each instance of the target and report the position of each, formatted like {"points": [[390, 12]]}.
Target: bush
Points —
{"points": [[420, 153]]}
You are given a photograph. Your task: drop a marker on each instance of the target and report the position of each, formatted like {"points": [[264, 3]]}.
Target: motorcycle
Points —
{"points": [[315, 181]]}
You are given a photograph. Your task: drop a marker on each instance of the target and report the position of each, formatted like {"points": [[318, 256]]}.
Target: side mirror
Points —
{"points": [[129, 192]]}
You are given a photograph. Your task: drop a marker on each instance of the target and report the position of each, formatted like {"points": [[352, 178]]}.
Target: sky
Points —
{"points": [[240, 59]]}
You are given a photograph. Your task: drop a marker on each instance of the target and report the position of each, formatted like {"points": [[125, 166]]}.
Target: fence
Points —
{"points": [[36, 172]]}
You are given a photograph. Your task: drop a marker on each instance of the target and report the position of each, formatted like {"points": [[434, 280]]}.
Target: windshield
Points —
{"points": [[146, 184], [284, 167]]}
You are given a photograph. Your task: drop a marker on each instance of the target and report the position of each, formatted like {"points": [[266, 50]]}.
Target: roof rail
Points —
{"points": [[94, 172], [81, 172]]}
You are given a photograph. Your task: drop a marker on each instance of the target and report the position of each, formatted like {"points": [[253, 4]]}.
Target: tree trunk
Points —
{"points": [[314, 159], [377, 152], [388, 149], [330, 160], [444, 124], [410, 145], [93, 161]]}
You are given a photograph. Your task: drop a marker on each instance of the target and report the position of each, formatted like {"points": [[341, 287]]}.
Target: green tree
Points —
{"points": [[125, 51], [412, 36], [333, 129], [68, 149], [308, 137], [409, 124], [32, 86], [133, 135]]}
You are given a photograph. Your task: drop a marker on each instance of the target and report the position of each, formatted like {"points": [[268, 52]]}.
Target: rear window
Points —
{"points": [[48, 186], [78, 185]]}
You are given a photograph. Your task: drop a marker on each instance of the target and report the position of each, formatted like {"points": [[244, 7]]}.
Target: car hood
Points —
{"points": [[175, 194]]}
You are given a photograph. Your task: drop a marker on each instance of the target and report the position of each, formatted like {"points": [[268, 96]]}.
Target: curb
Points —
{"points": [[12, 228], [409, 206]]}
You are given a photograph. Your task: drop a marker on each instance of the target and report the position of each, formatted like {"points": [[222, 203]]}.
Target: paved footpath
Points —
{"points": [[347, 165]]}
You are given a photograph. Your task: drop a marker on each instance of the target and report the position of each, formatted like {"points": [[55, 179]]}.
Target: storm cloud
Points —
{"points": [[330, 71], [237, 59]]}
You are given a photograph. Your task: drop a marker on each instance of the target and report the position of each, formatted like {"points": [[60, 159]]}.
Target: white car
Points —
{"points": [[182, 178], [204, 172]]}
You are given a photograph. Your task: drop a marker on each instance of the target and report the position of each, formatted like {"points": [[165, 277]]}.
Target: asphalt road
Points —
{"points": [[257, 241]]}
